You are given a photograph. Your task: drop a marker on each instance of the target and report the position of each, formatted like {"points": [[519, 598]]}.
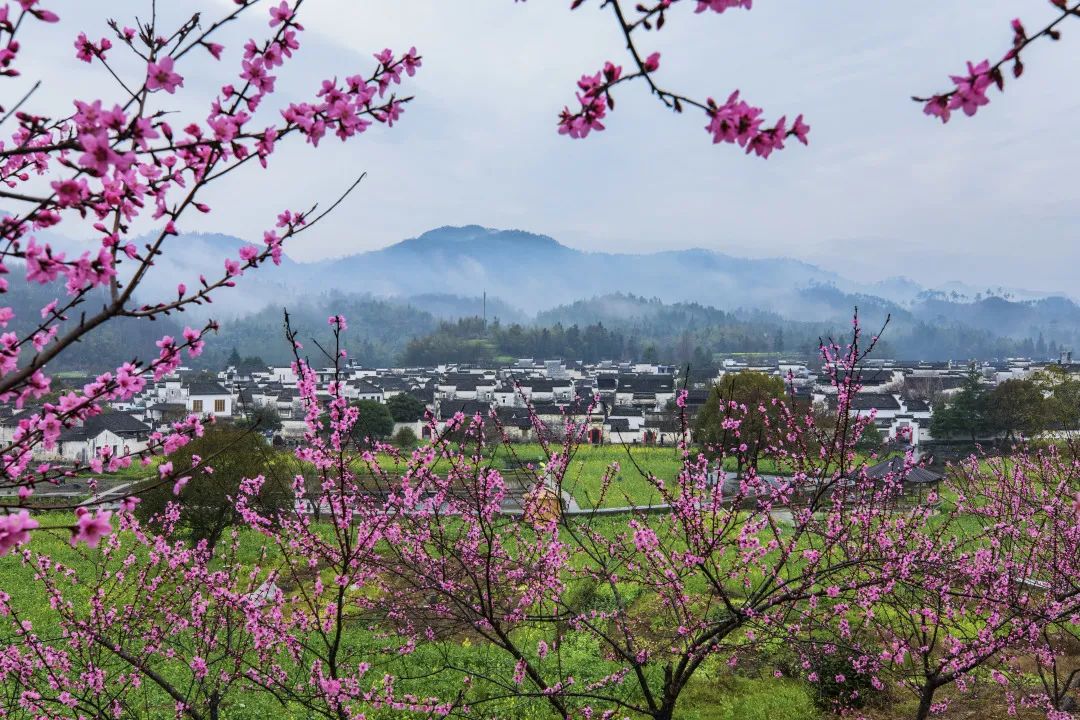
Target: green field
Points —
{"points": [[633, 470], [714, 694]]}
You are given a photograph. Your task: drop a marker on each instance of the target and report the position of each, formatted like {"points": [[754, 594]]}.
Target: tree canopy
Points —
{"points": [[753, 394], [1017, 408], [964, 415], [206, 500], [374, 423], [404, 407]]}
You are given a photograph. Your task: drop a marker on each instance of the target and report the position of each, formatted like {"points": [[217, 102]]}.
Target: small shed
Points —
{"points": [[918, 480], [545, 504]]}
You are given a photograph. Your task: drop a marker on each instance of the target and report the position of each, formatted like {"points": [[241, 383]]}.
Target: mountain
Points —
{"points": [[524, 273], [1051, 316], [445, 306], [534, 272], [521, 272], [377, 334], [407, 289], [518, 267]]}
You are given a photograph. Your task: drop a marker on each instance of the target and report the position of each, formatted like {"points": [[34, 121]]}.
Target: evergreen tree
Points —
{"points": [[1017, 408], [374, 421], [404, 407], [749, 389], [206, 501], [965, 413]]}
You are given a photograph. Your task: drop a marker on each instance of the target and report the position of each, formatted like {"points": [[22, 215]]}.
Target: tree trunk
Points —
{"points": [[666, 711], [926, 700]]}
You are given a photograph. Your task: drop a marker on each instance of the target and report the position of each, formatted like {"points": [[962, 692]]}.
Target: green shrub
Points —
{"points": [[405, 438], [837, 685]]}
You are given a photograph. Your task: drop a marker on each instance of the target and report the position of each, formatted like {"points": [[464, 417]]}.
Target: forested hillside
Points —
{"points": [[113, 343]]}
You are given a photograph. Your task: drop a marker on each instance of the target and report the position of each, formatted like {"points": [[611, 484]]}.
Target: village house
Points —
{"points": [[121, 432], [895, 417], [364, 390], [205, 397], [466, 386], [392, 385]]}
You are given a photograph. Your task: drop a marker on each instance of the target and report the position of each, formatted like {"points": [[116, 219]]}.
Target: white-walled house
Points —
{"points": [[540, 391], [160, 414], [10, 423], [209, 398], [507, 396], [121, 432], [364, 390], [466, 386], [392, 385], [649, 391], [621, 430], [893, 415], [284, 375], [169, 390]]}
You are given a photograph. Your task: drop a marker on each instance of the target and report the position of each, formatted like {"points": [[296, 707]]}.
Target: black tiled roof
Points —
{"points": [[206, 387], [119, 423], [363, 387], [646, 383], [390, 382], [869, 401], [447, 408]]}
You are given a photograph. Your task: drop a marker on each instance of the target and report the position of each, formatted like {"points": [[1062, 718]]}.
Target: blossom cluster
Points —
{"points": [[115, 162], [734, 121], [969, 95], [969, 91], [594, 100]]}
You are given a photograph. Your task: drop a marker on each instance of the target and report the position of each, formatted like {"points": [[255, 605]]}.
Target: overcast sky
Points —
{"points": [[882, 190]]}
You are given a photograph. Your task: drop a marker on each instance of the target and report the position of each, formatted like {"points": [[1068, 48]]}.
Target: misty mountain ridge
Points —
{"points": [[534, 272], [527, 277]]}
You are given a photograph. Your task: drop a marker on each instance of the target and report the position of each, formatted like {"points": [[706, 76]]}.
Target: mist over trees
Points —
{"points": [[617, 327], [625, 327], [613, 327]]}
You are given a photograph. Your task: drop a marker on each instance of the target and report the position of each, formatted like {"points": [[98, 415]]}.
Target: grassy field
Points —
{"points": [[629, 468], [715, 694]]}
